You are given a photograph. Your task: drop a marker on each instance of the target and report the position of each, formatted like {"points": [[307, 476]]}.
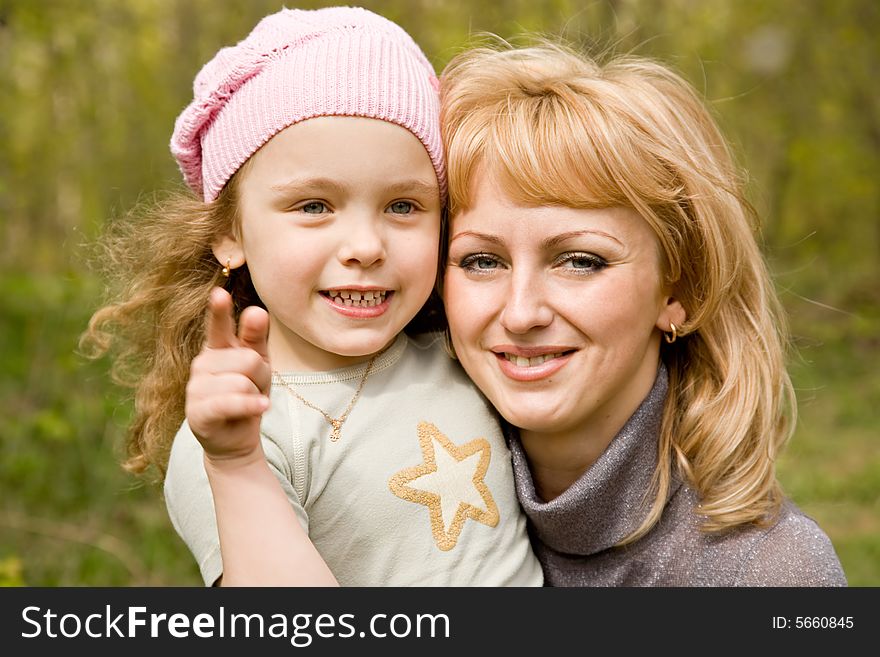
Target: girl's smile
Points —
{"points": [[359, 302], [340, 225]]}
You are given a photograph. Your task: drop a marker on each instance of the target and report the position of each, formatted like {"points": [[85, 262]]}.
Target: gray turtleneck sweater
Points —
{"points": [[574, 535]]}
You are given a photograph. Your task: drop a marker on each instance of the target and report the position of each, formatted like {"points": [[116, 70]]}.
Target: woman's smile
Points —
{"points": [[555, 312], [531, 363]]}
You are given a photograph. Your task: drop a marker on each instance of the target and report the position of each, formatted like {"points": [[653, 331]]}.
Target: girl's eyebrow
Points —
{"points": [[415, 186], [295, 184]]}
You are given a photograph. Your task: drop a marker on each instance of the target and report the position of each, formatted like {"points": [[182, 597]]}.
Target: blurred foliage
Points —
{"points": [[91, 91]]}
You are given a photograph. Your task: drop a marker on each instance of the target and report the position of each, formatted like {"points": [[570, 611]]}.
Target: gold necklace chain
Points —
{"points": [[335, 422]]}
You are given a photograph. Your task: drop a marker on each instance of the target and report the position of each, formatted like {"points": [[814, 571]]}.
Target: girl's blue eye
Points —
{"points": [[314, 207], [401, 207]]}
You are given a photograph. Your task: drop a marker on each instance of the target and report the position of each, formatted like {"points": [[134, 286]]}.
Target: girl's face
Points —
{"points": [[556, 313], [340, 222]]}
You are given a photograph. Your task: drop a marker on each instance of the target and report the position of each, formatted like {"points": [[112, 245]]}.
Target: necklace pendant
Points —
{"points": [[336, 423]]}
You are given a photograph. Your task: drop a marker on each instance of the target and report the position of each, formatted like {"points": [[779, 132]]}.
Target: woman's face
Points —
{"points": [[556, 313]]}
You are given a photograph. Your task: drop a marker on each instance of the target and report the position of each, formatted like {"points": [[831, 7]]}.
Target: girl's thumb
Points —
{"points": [[253, 330]]}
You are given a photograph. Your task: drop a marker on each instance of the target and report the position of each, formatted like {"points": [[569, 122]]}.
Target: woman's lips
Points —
{"points": [[533, 363]]}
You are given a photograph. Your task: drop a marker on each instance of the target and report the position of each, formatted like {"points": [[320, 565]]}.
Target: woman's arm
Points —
{"points": [[794, 552]]}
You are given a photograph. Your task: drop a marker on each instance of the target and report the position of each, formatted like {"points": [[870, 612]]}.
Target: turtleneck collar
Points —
{"points": [[609, 500]]}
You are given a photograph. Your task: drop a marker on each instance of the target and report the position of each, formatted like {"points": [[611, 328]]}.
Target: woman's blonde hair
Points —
{"points": [[160, 268], [555, 127]]}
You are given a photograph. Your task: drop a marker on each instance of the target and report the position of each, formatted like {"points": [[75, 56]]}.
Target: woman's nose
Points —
{"points": [[525, 307]]}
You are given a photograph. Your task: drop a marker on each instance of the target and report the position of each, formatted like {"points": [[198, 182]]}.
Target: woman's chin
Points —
{"points": [[538, 419]]}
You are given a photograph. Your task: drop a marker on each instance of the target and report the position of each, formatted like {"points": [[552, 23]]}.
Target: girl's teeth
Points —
{"points": [[521, 361], [357, 299]]}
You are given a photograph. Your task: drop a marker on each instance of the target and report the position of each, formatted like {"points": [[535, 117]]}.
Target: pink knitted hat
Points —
{"points": [[299, 64]]}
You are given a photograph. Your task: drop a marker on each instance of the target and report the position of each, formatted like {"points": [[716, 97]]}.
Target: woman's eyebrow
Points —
{"points": [[480, 236], [556, 240]]}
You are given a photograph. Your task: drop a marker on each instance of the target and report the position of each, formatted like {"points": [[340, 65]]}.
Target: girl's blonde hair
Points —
{"points": [[555, 127], [160, 267]]}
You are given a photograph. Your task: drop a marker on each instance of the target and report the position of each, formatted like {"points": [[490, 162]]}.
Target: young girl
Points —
{"points": [[314, 147]]}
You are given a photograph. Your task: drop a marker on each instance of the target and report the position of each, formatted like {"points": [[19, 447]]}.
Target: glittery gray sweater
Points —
{"points": [[574, 535]]}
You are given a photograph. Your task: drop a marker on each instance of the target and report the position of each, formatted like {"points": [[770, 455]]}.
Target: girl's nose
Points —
{"points": [[363, 243]]}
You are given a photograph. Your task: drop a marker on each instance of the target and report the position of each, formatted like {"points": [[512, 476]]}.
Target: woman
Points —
{"points": [[605, 291]]}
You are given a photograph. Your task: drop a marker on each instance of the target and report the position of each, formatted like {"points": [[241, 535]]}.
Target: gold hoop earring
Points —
{"points": [[225, 270], [674, 332]]}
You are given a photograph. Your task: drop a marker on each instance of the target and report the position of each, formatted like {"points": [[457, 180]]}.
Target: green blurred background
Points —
{"points": [[90, 92]]}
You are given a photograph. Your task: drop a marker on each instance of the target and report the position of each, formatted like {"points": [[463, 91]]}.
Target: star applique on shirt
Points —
{"points": [[450, 483]]}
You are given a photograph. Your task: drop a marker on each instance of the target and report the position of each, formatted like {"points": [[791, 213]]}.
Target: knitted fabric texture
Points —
{"points": [[296, 65], [575, 534]]}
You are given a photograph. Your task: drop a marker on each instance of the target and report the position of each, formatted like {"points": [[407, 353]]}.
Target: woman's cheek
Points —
{"points": [[465, 303]]}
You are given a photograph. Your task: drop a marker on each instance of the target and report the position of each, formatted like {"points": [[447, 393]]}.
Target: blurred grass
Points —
{"points": [[831, 467], [69, 515]]}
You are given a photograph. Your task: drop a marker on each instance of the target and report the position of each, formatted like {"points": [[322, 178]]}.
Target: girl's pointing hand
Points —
{"points": [[228, 389]]}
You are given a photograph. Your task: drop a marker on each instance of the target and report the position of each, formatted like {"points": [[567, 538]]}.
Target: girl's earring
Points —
{"points": [[225, 270], [674, 334]]}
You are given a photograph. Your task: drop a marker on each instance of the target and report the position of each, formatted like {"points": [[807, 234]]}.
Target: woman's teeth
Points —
{"points": [[356, 298], [520, 361]]}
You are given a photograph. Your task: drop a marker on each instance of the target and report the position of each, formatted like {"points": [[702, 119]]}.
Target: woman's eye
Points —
{"points": [[401, 207], [479, 262], [314, 207], [586, 262]]}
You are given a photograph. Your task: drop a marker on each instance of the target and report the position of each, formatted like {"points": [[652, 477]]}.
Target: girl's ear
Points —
{"points": [[672, 312], [228, 252]]}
